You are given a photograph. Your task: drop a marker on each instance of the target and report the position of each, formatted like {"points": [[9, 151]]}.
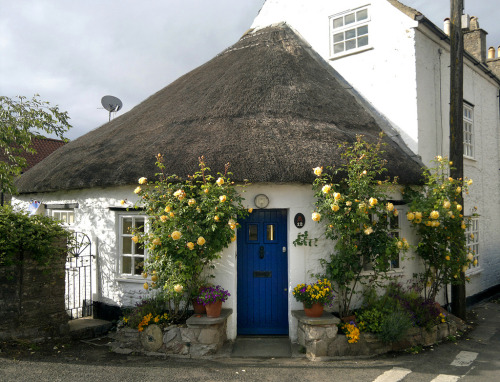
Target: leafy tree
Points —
{"points": [[21, 120]]}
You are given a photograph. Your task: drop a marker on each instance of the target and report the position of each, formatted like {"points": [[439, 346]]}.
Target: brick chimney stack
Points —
{"points": [[475, 40]]}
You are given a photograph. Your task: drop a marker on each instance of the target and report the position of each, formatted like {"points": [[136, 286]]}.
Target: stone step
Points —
{"points": [[88, 327]]}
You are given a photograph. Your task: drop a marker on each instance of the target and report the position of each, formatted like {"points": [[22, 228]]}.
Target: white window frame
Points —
{"points": [[69, 213], [133, 255], [355, 27], [468, 123], [472, 243]]}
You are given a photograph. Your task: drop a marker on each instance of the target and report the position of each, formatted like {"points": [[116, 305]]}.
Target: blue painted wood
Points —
{"points": [[262, 301]]}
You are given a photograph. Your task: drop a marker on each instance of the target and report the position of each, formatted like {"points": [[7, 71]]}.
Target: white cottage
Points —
{"points": [[274, 107]]}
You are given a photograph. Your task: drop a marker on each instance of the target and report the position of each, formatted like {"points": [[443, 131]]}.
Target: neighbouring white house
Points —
{"points": [[305, 77]]}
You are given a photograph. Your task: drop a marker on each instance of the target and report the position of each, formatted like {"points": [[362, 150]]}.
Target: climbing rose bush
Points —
{"points": [[358, 216], [436, 213], [190, 222]]}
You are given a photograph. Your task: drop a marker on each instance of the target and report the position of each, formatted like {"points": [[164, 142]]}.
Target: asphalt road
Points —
{"points": [[472, 358]]}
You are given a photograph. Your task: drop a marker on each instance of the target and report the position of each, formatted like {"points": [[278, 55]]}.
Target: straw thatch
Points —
{"points": [[269, 105]]}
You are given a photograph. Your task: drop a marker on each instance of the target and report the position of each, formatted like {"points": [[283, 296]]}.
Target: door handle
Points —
{"points": [[261, 252]]}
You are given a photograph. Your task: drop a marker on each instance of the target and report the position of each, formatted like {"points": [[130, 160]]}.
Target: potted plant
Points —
{"points": [[314, 296], [212, 298]]}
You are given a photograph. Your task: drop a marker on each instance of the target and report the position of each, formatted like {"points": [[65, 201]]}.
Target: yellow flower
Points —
{"points": [[191, 202], [395, 212], [373, 201], [434, 215], [233, 238], [190, 245], [167, 209], [216, 218], [250, 210], [146, 286], [176, 235], [472, 236], [368, 231], [326, 189], [180, 194], [318, 171], [144, 274], [135, 239], [122, 202], [463, 226], [316, 217], [439, 158], [464, 268], [418, 215], [410, 216], [178, 288], [157, 319], [337, 195], [142, 180], [171, 214], [137, 190], [389, 207], [335, 207], [475, 262], [348, 203], [470, 256], [156, 241], [201, 240], [222, 198], [447, 258], [220, 181], [154, 278], [469, 182], [163, 218], [459, 190], [446, 204], [364, 172], [205, 190], [459, 207], [399, 244], [435, 224]]}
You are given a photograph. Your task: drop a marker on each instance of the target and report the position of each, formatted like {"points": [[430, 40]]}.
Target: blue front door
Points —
{"points": [[262, 273]]}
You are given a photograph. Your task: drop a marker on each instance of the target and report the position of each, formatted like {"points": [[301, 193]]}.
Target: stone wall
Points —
{"points": [[201, 336], [32, 299]]}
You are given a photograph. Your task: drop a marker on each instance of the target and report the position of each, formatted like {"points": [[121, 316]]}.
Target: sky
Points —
{"points": [[72, 53]]}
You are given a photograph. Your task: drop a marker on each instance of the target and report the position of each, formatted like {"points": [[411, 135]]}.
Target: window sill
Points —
{"points": [[392, 272], [131, 279], [350, 53], [473, 272], [470, 159]]}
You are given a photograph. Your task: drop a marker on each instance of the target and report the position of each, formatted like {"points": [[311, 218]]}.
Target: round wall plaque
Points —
{"points": [[299, 220], [261, 201]]}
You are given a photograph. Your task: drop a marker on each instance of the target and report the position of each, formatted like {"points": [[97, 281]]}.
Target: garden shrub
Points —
{"points": [[394, 326]]}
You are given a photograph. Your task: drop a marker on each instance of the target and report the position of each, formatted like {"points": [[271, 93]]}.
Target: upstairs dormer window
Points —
{"points": [[349, 31]]}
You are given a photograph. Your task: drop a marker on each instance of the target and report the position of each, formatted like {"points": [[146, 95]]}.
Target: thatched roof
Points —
{"points": [[269, 105]]}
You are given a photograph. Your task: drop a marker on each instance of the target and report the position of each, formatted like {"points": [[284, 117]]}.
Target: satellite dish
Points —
{"points": [[111, 104]]}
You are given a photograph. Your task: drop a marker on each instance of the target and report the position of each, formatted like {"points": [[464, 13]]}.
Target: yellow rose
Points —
{"points": [[446, 204], [216, 218], [191, 202], [156, 241], [475, 262], [428, 223], [463, 226], [451, 163], [348, 203], [176, 235], [316, 217], [418, 215], [201, 240], [364, 172], [171, 214], [250, 210], [395, 212], [142, 180], [464, 268], [222, 198], [154, 278], [373, 201], [435, 224], [205, 190], [362, 206], [399, 244], [389, 207], [459, 190], [233, 238], [337, 195], [190, 245], [220, 181], [469, 182], [180, 194], [470, 256], [439, 158], [135, 239], [368, 231], [410, 216], [335, 207], [447, 258], [163, 218], [144, 274], [146, 286], [137, 190], [122, 202], [167, 209], [326, 189], [459, 207], [434, 215], [318, 171], [178, 288]]}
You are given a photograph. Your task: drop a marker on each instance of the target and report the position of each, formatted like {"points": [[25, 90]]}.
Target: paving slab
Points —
{"points": [[262, 347]]}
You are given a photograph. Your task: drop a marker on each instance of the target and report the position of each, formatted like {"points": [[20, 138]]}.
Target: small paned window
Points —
{"points": [[253, 232], [349, 31], [468, 131], [131, 254], [472, 238]]}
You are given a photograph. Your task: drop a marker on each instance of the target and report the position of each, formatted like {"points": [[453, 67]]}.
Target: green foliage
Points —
{"points": [[370, 320], [303, 239], [190, 222], [436, 214], [394, 326], [357, 215], [21, 120], [36, 234], [149, 311]]}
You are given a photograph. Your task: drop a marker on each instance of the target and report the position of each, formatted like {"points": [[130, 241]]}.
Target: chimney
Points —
{"points": [[491, 53], [494, 63], [447, 26], [475, 40]]}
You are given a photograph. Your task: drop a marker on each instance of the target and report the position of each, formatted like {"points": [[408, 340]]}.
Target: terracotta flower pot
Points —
{"points": [[198, 308], [213, 310], [316, 310]]}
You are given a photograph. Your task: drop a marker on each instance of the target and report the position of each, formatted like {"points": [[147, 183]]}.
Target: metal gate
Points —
{"points": [[78, 294]]}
